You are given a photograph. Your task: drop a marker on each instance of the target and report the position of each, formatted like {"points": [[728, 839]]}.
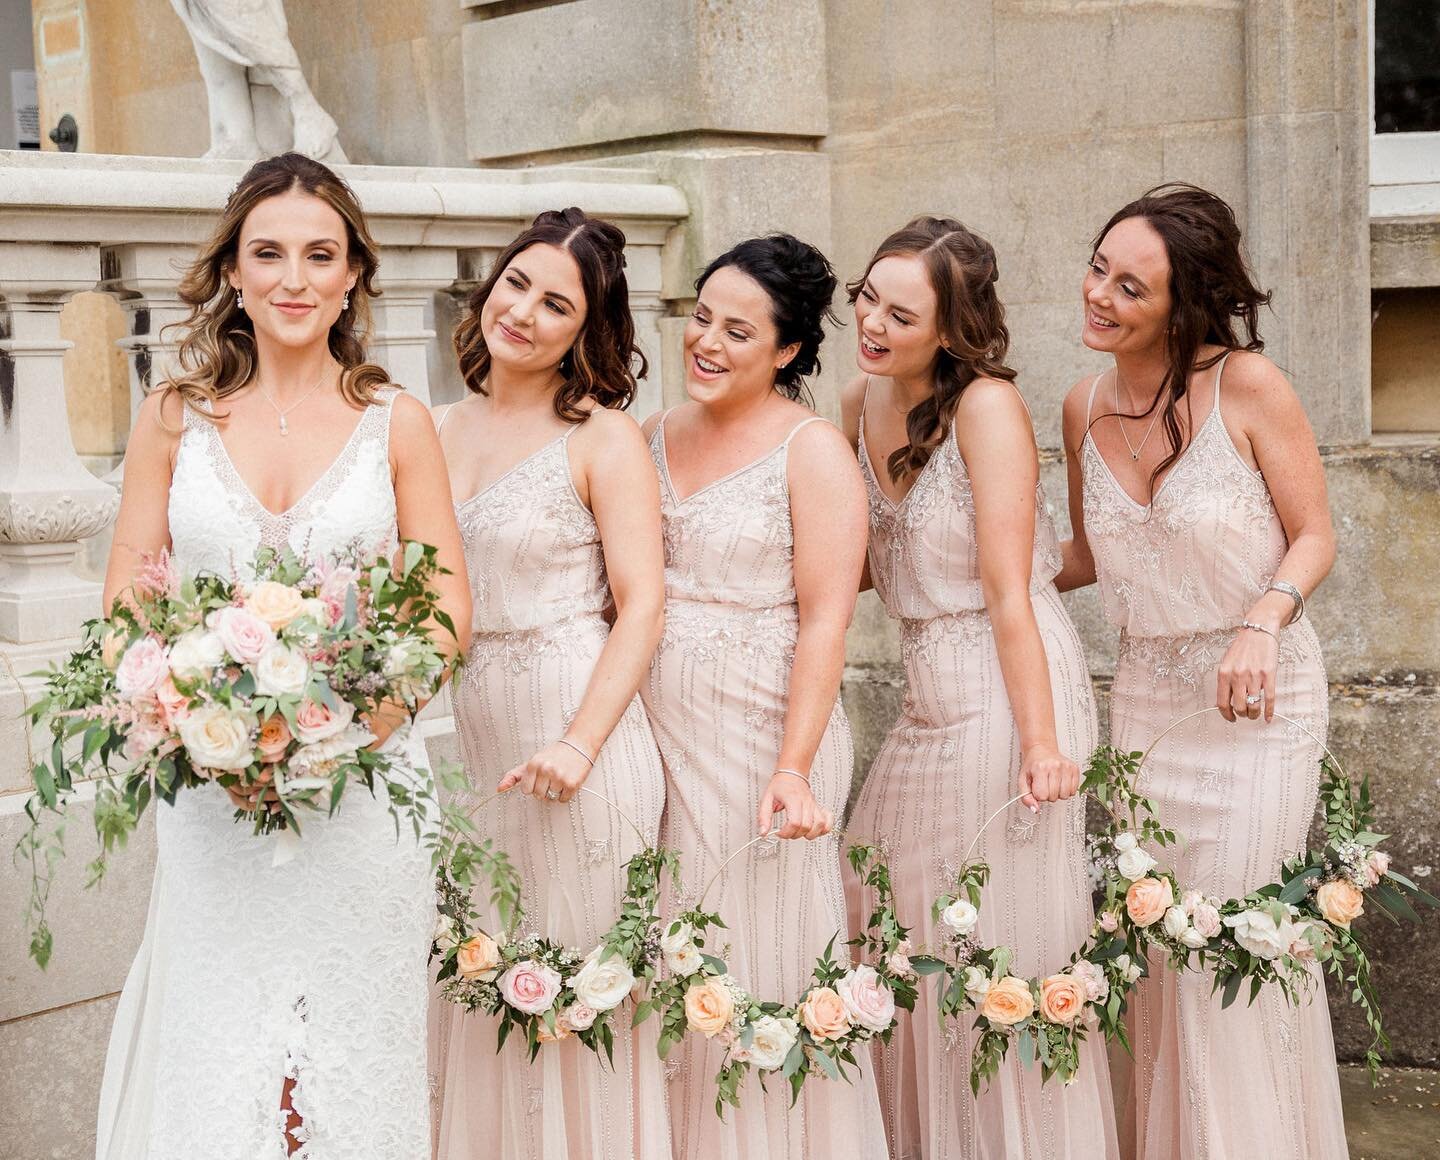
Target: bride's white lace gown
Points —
{"points": [[251, 972]]}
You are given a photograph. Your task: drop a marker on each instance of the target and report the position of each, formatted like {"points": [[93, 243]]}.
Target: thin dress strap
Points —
{"points": [[445, 414], [1090, 403], [803, 423], [1219, 369]]}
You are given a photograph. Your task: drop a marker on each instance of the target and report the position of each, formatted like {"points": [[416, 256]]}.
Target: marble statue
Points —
{"points": [[245, 43]]}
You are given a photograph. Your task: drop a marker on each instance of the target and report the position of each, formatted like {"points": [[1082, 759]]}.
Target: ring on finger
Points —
{"points": [[1254, 698], [553, 795]]}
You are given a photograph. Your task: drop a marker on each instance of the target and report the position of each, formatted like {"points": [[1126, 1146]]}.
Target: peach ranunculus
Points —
{"points": [[1148, 899], [824, 1015], [275, 738], [709, 1007], [1062, 998], [1008, 1001], [477, 956], [274, 603], [1340, 901]]}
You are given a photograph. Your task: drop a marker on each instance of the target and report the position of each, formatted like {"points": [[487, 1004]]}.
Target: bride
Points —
{"points": [[280, 1010]]}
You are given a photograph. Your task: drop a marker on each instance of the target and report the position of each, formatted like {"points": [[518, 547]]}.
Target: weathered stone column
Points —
{"points": [[145, 277], [48, 501], [410, 276]]}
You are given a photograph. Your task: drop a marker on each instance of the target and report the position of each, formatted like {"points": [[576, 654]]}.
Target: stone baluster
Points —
{"points": [[409, 278], [642, 273], [48, 501], [145, 277]]}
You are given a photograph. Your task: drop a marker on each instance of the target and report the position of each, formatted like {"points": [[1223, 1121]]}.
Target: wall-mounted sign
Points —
{"points": [[25, 100]]}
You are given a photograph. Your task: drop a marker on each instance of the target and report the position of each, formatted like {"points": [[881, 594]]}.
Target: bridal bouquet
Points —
{"points": [[260, 686]]}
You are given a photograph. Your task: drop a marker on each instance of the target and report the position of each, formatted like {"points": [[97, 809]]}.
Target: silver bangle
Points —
{"points": [[1294, 593], [1258, 628], [577, 749], [805, 777]]}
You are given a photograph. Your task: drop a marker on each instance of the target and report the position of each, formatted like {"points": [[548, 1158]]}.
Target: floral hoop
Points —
{"points": [[535, 985], [1277, 933], [842, 1008]]}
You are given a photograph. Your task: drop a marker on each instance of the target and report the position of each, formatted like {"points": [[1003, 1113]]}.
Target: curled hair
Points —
{"points": [[973, 337], [1211, 287], [800, 282], [217, 353], [605, 360]]}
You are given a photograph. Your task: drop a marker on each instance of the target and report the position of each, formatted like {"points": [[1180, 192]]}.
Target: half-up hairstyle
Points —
{"points": [[974, 340], [800, 282], [1211, 287], [217, 353], [605, 361]]}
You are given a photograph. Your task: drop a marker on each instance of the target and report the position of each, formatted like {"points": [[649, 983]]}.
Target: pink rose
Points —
{"points": [[1190, 900], [317, 722], [866, 997], [142, 668], [530, 987], [1206, 919], [1097, 988], [244, 635], [143, 738], [1147, 900], [1376, 867], [1109, 922], [578, 1017]]}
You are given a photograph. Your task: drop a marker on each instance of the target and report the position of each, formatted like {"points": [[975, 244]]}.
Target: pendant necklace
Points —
{"points": [[284, 426], [1134, 451]]}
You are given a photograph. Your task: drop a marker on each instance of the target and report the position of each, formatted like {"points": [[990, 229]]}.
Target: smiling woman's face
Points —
{"points": [[1127, 290], [732, 347], [292, 266], [896, 315], [536, 309]]}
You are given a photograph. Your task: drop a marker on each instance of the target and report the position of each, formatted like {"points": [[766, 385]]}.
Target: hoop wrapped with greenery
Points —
{"points": [[538, 987], [842, 1008]]}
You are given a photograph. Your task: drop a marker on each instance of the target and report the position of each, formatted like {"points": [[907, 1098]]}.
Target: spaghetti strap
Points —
{"points": [[445, 414], [1219, 369], [803, 423], [1090, 403], [860, 419]]}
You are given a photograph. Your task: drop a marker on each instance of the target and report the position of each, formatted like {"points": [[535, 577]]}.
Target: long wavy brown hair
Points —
{"points": [[217, 352], [1211, 287], [973, 337], [605, 361]]}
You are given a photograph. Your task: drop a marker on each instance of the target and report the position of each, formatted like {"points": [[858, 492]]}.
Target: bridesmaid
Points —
{"points": [[997, 696], [764, 518], [561, 525], [1198, 500]]}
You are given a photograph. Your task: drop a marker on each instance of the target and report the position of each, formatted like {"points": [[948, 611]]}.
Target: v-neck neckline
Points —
{"points": [[309, 491], [513, 468], [1169, 475], [894, 504], [729, 475]]}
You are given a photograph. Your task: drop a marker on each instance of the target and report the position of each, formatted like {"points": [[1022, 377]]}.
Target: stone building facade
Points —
{"points": [[1031, 120]]}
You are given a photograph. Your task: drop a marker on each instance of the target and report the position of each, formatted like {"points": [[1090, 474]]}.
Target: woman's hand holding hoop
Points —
{"points": [[1245, 684], [804, 816], [554, 774], [1046, 775]]}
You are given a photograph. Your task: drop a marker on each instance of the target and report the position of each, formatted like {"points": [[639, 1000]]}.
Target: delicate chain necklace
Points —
{"points": [[1134, 451], [284, 426]]}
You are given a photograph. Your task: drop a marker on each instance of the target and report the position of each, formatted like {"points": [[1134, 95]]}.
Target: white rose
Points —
{"points": [[1125, 841], [405, 671], [196, 654], [1131, 971], [1260, 934], [602, 984], [578, 1017], [675, 936], [314, 609], [320, 757], [1177, 922], [771, 1042], [1193, 939], [977, 985], [281, 672], [217, 738], [445, 936], [960, 916], [1134, 863], [683, 962], [898, 963], [1097, 987]]}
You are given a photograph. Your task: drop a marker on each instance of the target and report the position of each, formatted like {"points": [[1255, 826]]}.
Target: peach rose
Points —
{"points": [[544, 1035], [315, 721], [1008, 1002], [1062, 998], [1376, 867], [477, 956], [824, 1015], [1148, 899], [112, 647], [276, 604], [275, 738], [1340, 902], [173, 703], [709, 1007]]}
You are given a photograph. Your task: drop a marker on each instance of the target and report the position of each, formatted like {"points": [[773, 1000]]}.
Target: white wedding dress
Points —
{"points": [[251, 972]]}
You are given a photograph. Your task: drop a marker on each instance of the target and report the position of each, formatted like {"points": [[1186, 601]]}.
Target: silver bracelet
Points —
{"points": [[805, 777], [1294, 593], [577, 749], [1258, 628]]}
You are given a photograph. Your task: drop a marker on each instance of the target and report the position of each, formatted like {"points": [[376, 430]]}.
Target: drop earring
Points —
{"points": [[239, 300], [345, 305]]}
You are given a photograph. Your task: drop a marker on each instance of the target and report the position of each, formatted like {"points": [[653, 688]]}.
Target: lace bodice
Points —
{"points": [[924, 559], [731, 542], [217, 524], [532, 548], [1199, 554]]}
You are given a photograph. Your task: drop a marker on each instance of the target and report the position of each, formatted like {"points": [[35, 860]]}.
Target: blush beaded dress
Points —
{"points": [[537, 573], [717, 696], [951, 761], [1176, 577]]}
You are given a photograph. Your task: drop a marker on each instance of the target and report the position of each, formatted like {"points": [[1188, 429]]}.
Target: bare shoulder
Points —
{"points": [[160, 420], [411, 424], [610, 428], [1075, 411], [820, 446], [1255, 383], [852, 394], [990, 407]]}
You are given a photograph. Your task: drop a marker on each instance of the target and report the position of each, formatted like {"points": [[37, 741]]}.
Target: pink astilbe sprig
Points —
{"points": [[157, 577]]}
